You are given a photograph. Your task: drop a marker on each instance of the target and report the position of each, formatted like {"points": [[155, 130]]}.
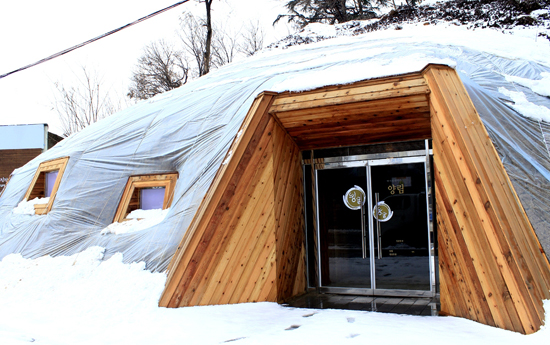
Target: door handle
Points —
{"points": [[363, 232], [378, 234]]}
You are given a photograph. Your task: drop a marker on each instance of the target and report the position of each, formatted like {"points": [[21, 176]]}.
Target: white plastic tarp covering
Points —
{"points": [[189, 130]]}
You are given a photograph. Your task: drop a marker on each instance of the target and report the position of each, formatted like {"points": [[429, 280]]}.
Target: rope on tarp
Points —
{"points": [[544, 138]]}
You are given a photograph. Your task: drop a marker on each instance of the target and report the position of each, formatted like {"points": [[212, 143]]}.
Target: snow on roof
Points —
{"points": [[189, 130]]}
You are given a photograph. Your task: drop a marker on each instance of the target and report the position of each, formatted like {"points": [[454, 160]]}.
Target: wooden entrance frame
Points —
{"points": [[246, 241]]}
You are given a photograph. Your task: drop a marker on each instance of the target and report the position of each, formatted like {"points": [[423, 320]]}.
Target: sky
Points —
{"points": [[32, 30]]}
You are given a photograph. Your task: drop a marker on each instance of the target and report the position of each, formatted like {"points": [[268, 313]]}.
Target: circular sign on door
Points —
{"points": [[382, 212], [354, 198]]}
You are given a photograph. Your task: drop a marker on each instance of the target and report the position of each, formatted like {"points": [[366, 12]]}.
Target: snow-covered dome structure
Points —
{"points": [[198, 131]]}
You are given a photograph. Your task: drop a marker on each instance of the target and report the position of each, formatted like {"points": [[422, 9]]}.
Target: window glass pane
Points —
{"points": [[50, 181], [152, 198]]}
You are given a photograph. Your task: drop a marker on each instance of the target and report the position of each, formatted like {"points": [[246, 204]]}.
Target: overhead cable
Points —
{"points": [[63, 52]]}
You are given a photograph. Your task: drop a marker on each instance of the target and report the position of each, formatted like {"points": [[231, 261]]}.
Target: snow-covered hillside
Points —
{"points": [[507, 17]]}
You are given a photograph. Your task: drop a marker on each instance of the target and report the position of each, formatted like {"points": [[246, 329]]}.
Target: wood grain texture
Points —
{"points": [[214, 194], [492, 269], [383, 110], [208, 240], [248, 246], [379, 89], [289, 213]]}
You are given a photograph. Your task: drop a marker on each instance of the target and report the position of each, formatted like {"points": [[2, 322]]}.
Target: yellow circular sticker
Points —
{"points": [[354, 198], [382, 212]]}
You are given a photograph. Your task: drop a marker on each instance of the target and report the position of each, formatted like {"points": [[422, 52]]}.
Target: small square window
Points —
{"points": [[152, 198], [45, 183], [51, 177], [146, 192]]}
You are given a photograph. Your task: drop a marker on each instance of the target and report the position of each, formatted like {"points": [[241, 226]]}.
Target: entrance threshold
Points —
{"points": [[425, 306]]}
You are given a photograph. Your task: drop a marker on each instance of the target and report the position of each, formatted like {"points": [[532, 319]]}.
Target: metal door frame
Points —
{"points": [[367, 161]]}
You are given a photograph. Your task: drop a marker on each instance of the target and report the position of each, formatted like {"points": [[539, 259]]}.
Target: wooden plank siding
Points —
{"points": [[247, 242], [249, 246], [378, 111], [492, 267], [289, 213]]}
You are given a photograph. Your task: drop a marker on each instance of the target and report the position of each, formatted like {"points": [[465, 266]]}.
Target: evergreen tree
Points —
{"points": [[304, 12]]}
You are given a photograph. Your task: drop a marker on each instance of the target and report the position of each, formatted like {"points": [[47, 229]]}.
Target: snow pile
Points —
{"points": [[27, 207], [362, 69], [526, 108], [541, 86], [81, 299], [138, 220], [74, 299]]}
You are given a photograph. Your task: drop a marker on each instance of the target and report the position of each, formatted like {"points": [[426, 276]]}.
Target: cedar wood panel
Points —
{"points": [[492, 267], [251, 247]]}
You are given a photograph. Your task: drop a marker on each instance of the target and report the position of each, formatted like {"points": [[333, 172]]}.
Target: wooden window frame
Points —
{"points": [[166, 180], [38, 190]]}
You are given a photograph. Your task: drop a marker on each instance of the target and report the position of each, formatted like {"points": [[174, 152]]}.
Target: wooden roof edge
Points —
{"points": [[363, 82], [154, 174], [267, 93], [261, 104], [355, 99], [54, 159], [435, 65]]}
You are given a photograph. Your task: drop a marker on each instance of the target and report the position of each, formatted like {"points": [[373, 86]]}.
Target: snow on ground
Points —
{"points": [[81, 299]]}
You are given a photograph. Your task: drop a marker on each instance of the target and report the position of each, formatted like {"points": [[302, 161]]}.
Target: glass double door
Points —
{"points": [[373, 225]]}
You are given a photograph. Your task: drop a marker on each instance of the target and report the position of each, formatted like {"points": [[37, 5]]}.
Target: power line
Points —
{"points": [[63, 52]]}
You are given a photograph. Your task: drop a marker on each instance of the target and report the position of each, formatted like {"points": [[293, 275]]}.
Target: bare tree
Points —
{"points": [[161, 68], [198, 37], [252, 39], [224, 47], [207, 53], [81, 105], [193, 37]]}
